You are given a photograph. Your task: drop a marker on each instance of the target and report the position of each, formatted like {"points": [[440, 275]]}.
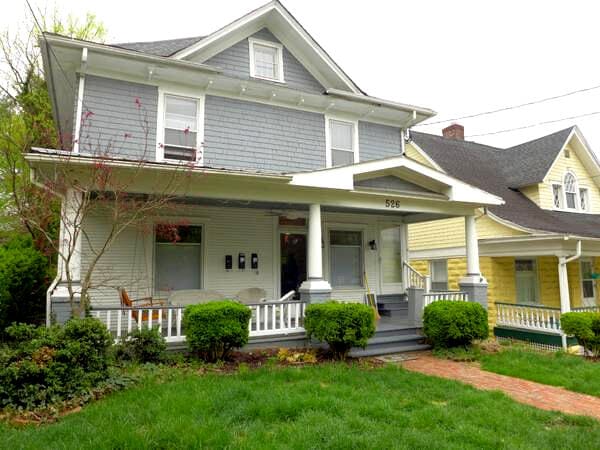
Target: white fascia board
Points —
{"points": [[262, 16]]}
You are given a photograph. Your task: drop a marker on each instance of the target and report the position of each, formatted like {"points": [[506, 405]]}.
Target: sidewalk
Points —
{"points": [[529, 392]]}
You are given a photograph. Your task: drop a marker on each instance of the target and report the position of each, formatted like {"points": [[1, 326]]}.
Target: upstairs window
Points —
{"points": [[266, 60], [557, 195], [584, 199], [181, 129], [342, 145], [570, 191]]}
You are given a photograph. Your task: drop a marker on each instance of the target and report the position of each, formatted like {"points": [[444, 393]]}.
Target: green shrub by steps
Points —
{"points": [[41, 366], [213, 329], [341, 325], [24, 275], [585, 326], [449, 324], [142, 346]]}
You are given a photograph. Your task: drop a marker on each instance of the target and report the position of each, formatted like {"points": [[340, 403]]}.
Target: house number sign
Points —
{"points": [[392, 203]]}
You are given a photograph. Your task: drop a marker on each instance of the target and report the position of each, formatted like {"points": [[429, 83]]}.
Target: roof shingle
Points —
{"points": [[165, 48]]}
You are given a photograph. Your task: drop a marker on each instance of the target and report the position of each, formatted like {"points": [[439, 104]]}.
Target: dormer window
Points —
{"points": [[266, 60], [557, 195], [584, 200], [570, 191]]}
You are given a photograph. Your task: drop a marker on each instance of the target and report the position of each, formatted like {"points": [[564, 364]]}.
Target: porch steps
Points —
{"points": [[392, 305], [295, 340], [392, 339]]}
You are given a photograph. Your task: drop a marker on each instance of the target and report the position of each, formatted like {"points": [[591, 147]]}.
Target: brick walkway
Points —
{"points": [[529, 392]]}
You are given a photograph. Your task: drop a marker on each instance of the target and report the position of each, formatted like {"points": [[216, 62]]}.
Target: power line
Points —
{"points": [[508, 108], [535, 124]]}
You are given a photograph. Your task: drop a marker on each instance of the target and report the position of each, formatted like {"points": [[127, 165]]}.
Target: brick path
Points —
{"points": [[529, 392]]}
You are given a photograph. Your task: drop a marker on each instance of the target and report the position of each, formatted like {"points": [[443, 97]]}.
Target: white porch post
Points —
{"points": [[473, 283], [315, 288], [563, 285]]}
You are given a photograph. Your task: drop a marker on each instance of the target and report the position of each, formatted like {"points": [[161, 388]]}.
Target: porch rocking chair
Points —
{"points": [[127, 302]]}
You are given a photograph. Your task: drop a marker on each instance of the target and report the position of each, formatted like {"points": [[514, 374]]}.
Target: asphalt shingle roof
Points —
{"points": [[160, 48], [491, 169]]}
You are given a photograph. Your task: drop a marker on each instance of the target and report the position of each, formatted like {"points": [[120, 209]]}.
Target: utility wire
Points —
{"points": [[535, 124], [508, 108]]}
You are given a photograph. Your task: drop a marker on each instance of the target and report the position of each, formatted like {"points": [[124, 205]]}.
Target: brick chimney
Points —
{"points": [[454, 131]]}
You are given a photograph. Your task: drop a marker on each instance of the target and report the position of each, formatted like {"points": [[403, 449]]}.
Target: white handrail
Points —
{"points": [[414, 279], [537, 318], [455, 296]]}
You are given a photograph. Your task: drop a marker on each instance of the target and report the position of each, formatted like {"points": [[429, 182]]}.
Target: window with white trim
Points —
{"points": [[177, 257], [266, 60], [346, 260], [584, 201], [342, 148], [526, 281], [439, 274], [570, 191], [181, 128], [557, 195]]}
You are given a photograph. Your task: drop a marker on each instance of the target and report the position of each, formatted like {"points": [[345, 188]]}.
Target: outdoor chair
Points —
{"points": [[187, 297], [250, 296], [127, 302]]}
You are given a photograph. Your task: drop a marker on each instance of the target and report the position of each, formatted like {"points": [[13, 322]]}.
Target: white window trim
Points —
{"points": [[279, 52], [340, 226], [535, 260], [587, 198], [578, 186], [431, 271], [575, 188], [328, 149], [581, 279], [562, 196], [160, 125]]}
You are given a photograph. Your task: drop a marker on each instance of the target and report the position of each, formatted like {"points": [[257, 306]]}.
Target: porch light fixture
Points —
{"points": [[373, 245]]}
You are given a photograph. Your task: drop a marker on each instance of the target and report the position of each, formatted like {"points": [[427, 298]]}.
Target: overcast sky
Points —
{"points": [[456, 57]]}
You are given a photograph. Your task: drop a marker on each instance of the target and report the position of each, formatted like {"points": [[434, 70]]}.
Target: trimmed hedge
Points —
{"points": [[585, 326], [41, 366], [341, 325], [142, 346], [213, 329], [453, 324]]}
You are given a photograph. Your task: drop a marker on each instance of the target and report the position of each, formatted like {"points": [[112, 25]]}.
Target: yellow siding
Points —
{"points": [[451, 232], [548, 281], [533, 193], [413, 153], [557, 173]]}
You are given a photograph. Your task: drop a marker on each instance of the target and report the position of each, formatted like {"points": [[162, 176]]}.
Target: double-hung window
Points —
{"points": [[181, 129], [570, 191], [439, 274], [342, 143], [345, 249], [266, 60], [526, 281]]}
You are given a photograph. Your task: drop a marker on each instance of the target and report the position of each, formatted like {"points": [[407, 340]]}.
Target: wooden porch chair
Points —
{"points": [[127, 302], [249, 296]]}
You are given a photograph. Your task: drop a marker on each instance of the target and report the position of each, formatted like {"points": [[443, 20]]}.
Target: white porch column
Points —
{"points": [[473, 283], [315, 288], [563, 285]]}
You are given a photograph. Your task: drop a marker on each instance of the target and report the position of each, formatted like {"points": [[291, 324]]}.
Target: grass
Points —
{"points": [[326, 406], [557, 369]]}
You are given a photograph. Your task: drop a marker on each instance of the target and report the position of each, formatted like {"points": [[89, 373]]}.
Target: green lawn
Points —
{"points": [[558, 369], [328, 406]]}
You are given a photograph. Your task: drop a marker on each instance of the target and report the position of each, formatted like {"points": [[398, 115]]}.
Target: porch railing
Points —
{"points": [[538, 318], [595, 308], [268, 318], [455, 296], [415, 279]]}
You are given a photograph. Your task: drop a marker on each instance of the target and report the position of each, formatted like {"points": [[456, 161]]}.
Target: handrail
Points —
{"points": [[415, 279], [528, 305]]}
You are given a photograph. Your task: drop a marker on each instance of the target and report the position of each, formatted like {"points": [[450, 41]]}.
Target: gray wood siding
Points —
{"points": [[235, 62], [378, 141], [247, 135], [115, 123]]}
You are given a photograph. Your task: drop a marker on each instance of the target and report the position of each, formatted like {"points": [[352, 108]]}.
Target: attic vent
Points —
{"points": [[567, 153]]}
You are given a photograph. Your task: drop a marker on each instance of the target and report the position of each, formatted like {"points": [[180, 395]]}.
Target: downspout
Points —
{"points": [[564, 284]]}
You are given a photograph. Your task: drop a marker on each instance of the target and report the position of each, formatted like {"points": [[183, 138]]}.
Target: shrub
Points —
{"points": [[142, 346], [450, 324], [23, 283], [341, 325], [585, 326], [213, 329], [41, 366]]}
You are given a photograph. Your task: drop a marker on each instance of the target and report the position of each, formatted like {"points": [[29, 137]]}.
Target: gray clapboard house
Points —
{"points": [[297, 179]]}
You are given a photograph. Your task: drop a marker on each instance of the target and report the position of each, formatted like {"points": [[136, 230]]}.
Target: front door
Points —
{"points": [[293, 262], [588, 284], [390, 254]]}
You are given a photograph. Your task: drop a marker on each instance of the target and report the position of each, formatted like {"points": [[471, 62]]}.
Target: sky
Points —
{"points": [[457, 57]]}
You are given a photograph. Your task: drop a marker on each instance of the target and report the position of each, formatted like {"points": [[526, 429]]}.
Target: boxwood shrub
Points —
{"points": [[41, 366], [214, 329], [585, 326], [449, 324], [341, 325], [142, 346]]}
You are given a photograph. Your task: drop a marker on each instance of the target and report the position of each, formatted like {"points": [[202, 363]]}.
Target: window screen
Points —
{"points": [[346, 258], [181, 128], [391, 255]]}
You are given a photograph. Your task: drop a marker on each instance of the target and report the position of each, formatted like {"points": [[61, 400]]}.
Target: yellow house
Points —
{"points": [[540, 251]]}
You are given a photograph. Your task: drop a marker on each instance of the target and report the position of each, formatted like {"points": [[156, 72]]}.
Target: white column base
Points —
{"points": [[315, 285], [473, 279]]}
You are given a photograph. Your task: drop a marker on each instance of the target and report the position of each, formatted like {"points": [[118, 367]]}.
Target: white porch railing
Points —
{"points": [[537, 318], [268, 318], [595, 308], [414, 279], [454, 296]]}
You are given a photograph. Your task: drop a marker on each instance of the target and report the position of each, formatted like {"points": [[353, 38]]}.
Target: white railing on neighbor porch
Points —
{"points": [[268, 318], [414, 279], [454, 296], [537, 318], [595, 308]]}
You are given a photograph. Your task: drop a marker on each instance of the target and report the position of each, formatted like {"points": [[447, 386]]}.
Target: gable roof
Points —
{"points": [[528, 163], [489, 168], [166, 47]]}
